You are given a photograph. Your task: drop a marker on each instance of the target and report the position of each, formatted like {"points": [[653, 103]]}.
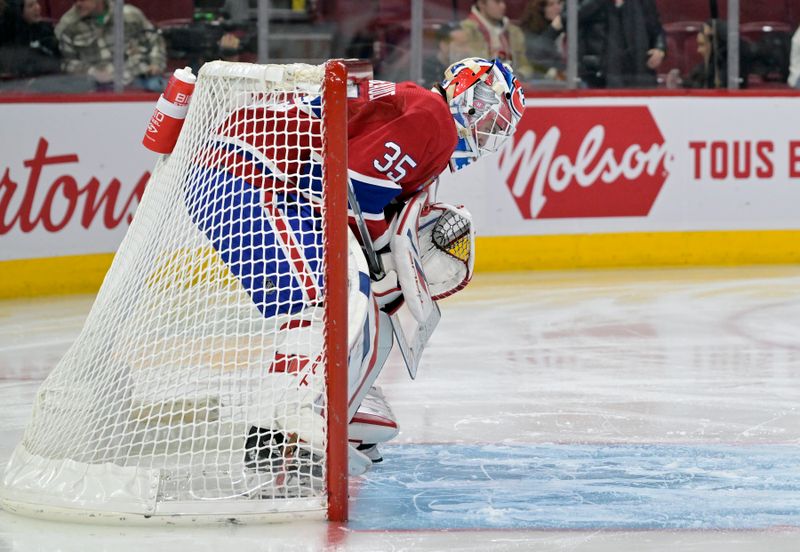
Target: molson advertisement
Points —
{"points": [[640, 164]]}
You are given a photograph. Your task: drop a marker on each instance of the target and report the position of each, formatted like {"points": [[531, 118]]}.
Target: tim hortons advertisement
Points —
{"points": [[71, 176], [593, 165]]}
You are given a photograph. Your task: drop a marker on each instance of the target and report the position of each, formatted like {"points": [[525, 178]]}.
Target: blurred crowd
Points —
{"points": [[68, 45]]}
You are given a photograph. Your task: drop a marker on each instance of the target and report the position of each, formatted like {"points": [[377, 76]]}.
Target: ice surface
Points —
{"points": [[594, 410]]}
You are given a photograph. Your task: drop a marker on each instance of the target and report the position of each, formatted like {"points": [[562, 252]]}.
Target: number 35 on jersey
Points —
{"points": [[395, 163]]}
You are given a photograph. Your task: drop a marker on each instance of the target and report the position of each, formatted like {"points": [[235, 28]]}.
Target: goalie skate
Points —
{"points": [[371, 452], [293, 469]]}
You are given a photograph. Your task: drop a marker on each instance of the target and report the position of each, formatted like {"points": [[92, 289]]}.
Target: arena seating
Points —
{"points": [[770, 43], [766, 26], [681, 46]]}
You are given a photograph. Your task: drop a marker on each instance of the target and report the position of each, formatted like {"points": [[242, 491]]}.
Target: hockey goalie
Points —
{"points": [[252, 199], [197, 388]]}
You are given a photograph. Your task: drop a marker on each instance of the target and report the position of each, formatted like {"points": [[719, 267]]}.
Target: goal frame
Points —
{"points": [[335, 338], [335, 182]]}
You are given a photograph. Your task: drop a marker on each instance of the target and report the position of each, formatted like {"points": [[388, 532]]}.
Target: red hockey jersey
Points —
{"points": [[400, 137]]}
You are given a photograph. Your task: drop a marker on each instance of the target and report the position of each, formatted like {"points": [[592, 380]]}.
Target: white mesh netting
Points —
{"points": [[196, 384]]}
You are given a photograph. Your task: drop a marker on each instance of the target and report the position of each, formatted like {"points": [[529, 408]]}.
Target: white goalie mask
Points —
{"points": [[486, 101]]}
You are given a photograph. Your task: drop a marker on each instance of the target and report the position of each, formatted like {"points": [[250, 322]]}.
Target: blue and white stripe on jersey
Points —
{"points": [[269, 240], [373, 195]]}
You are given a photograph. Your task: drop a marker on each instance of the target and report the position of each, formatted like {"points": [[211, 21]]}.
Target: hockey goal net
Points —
{"points": [[181, 395]]}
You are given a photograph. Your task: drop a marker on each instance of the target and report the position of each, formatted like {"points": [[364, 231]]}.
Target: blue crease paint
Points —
{"points": [[645, 486]]}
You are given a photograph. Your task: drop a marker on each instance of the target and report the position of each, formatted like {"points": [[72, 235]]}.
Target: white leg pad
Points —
{"points": [[374, 421]]}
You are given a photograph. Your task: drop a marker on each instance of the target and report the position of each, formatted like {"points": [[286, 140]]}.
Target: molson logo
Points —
{"points": [[570, 162], [55, 203]]}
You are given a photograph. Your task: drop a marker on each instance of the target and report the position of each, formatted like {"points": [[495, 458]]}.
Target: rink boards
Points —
{"points": [[588, 181]]}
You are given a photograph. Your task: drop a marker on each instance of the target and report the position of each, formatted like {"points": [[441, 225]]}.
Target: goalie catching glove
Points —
{"points": [[432, 253], [447, 241]]}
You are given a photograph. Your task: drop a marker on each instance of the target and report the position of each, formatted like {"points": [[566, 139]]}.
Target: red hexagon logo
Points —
{"points": [[574, 162]]}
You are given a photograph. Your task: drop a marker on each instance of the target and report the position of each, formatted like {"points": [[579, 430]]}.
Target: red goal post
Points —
{"points": [[335, 154], [150, 414]]}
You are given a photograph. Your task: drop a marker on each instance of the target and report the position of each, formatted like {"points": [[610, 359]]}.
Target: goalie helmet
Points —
{"points": [[486, 101]]}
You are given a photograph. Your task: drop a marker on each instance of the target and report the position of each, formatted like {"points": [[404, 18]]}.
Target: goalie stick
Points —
{"points": [[411, 347]]}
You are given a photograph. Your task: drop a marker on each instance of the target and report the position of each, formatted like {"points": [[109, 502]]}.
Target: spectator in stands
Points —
{"points": [[3, 20], [450, 47], [490, 34], [621, 43], [28, 46], [86, 37], [794, 61], [230, 47], [712, 72], [543, 27]]}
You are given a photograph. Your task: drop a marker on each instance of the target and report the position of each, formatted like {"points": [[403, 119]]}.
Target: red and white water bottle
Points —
{"points": [[165, 124]]}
